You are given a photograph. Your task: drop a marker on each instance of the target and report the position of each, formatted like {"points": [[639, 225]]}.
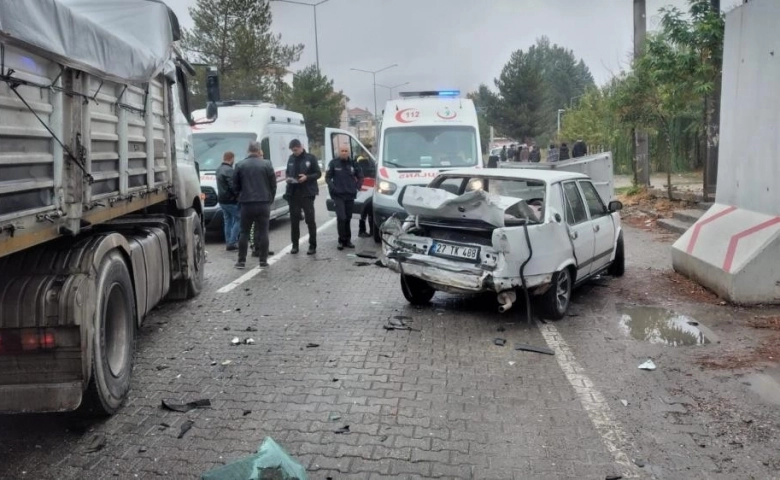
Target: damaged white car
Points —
{"points": [[475, 231]]}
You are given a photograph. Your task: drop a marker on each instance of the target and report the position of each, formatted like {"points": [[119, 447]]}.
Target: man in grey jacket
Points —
{"points": [[255, 184]]}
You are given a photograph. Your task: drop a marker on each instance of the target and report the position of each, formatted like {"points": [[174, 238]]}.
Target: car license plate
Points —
{"points": [[449, 250]]}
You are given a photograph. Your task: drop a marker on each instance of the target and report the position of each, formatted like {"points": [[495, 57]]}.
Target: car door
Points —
{"points": [[579, 228], [334, 140], [602, 223]]}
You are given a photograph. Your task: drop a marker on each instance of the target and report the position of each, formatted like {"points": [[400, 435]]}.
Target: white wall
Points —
{"points": [[749, 161]]}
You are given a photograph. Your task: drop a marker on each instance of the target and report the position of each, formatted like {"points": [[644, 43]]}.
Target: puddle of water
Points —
{"points": [[661, 326], [765, 386]]}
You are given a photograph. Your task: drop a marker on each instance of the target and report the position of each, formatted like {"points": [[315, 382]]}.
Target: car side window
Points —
{"points": [[575, 206], [595, 205]]}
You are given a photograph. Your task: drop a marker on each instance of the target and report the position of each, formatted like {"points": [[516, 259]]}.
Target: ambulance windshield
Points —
{"points": [[430, 147]]}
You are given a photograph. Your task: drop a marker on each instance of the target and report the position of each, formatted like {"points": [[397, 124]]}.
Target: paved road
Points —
{"points": [[439, 401]]}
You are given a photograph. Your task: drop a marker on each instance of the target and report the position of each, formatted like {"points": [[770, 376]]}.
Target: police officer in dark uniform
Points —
{"points": [[344, 178], [303, 171]]}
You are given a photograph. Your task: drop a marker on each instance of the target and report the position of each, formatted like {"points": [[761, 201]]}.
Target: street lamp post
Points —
{"points": [[560, 111], [316, 39], [374, 72], [392, 88]]}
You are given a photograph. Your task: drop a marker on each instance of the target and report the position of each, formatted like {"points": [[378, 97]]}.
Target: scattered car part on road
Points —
{"points": [[648, 365], [175, 406], [532, 348]]}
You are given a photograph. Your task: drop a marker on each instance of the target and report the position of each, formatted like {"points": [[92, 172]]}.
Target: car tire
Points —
{"points": [[555, 301], [113, 338], [416, 291], [618, 266]]}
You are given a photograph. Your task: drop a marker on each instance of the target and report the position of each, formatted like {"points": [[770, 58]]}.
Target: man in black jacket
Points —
{"points": [[344, 178], [228, 201], [580, 149], [303, 171], [255, 185]]}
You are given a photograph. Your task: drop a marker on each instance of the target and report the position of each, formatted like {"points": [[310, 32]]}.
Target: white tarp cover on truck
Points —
{"points": [[125, 40]]}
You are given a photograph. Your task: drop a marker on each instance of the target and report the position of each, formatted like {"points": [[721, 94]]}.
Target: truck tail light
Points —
{"points": [[24, 340]]}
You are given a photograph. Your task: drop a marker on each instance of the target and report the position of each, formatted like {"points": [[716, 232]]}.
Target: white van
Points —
{"points": [[239, 123], [422, 134]]}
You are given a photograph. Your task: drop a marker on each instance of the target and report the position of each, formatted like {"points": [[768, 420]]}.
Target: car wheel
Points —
{"points": [[555, 302], [415, 290], [618, 266], [113, 338]]}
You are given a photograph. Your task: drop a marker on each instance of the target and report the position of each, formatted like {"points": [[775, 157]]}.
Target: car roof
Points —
{"points": [[544, 175]]}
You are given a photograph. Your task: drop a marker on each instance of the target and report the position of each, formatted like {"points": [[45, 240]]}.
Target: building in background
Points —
{"points": [[362, 124]]}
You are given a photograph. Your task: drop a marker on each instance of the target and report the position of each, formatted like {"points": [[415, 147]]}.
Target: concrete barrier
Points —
{"points": [[734, 249]]}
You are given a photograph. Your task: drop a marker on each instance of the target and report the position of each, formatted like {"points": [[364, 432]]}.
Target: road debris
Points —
{"points": [[270, 461], [342, 431], [531, 348], [614, 477], [399, 322], [499, 341], [501, 329], [185, 427], [367, 254], [246, 412], [226, 363], [163, 426], [235, 341], [312, 345], [174, 406], [333, 417], [648, 365], [162, 367], [142, 450], [624, 402], [512, 364], [97, 444], [639, 462], [379, 264], [249, 341], [251, 329], [227, 329]]}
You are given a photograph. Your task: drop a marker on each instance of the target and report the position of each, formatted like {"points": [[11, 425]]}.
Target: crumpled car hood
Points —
{"points": [[476, 205]]}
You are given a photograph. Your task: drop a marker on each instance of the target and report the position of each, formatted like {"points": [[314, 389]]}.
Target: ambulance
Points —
{"points": [[422, 134], [239, 123]]}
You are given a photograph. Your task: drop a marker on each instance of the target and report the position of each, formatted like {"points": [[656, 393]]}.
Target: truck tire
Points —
{"points": [[618, 266], [195, 283], [113, 337], [416, 291], [555, 301], [185, 289]]}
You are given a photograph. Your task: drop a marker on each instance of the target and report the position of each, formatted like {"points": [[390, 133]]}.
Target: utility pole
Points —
{"points": [[316, 35], [712, 109], [376, 113], [560, 111], [641, 147]]}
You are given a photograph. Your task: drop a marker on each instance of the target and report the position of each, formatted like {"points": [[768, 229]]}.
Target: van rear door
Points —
{"points": [[334, 140]]}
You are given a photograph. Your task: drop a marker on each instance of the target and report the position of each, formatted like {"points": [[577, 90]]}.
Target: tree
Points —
{"points": [[235, 36], [521, 91], [313, 95], [482, 99], [532, 86]]}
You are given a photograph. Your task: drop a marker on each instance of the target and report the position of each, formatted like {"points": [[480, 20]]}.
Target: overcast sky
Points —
{"points": [[449, 44]]}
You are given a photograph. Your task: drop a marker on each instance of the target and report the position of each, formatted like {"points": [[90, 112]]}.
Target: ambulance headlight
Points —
{"points": [[387, 188]]}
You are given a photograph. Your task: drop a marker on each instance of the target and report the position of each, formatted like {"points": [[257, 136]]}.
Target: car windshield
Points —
{"points": [[430, 147], [209, 147], [531, 191]]}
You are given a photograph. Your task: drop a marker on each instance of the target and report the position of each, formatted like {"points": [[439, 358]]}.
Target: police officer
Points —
{"points": [[303, 171], [368, 167], [344, 178]]}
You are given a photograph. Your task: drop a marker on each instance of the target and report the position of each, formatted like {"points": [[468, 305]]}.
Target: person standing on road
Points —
{"points": [[368, 166], [344, 178], [303, 172], [523, 154], [535, 155], [255, 185], [563, 153], [503, 153], [228, 201], [552, 153], [580, 149]]}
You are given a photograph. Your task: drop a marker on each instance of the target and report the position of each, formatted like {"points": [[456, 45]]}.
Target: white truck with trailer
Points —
{"points": [[100, 204]]}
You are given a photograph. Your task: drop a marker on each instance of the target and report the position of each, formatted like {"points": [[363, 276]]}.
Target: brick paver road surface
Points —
{"points": [[440, 400]]}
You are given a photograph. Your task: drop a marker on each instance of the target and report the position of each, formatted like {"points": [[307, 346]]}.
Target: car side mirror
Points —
{"points": [[615, 206], [212, 93]]}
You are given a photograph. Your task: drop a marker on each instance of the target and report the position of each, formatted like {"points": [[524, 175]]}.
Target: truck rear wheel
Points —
{"points": [[113, 339]]}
